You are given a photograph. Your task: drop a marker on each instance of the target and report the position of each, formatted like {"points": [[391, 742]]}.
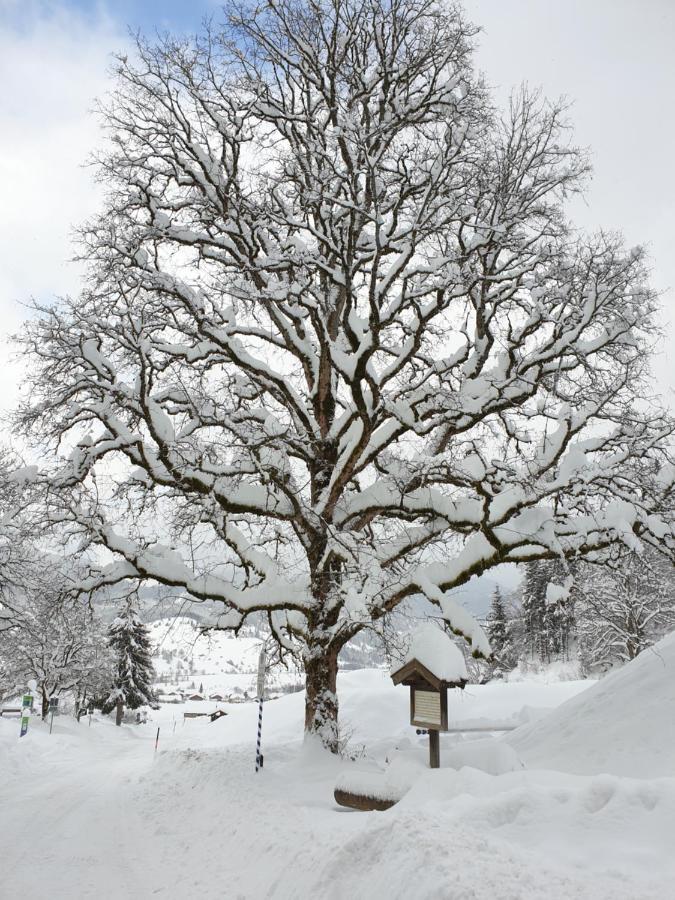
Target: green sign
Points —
{"points": [[25, 714]]}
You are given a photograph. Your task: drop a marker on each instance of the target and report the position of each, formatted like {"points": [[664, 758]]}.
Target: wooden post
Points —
{"points": [[434, 749]]}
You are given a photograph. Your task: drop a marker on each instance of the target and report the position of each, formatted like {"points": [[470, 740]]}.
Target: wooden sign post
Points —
{"points": [[428, 702], [434, 749]]}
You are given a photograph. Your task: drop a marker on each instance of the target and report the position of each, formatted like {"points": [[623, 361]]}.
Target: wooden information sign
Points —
{"points": [[428, 702]]}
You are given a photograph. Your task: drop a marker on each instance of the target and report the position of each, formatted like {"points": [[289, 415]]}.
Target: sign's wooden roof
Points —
{"points": [[414, 671]]}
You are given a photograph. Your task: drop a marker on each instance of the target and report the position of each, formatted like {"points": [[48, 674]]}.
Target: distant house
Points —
{"points": [[195, 697], [216, 697], [165, 698]]}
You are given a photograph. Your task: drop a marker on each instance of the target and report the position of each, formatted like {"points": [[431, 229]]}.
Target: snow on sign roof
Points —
{"points": [[437, 652]]}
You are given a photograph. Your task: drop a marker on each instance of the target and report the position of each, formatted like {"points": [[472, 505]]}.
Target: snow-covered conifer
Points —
{"points": [[534, 611], [548, 597], [134, 671], [497, 624]]}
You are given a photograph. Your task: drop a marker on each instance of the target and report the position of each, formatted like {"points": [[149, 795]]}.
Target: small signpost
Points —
{"points": [[262, 662], [53, 710], [434, 664], [26, 706]]}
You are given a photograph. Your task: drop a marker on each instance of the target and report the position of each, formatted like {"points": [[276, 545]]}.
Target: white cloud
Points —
{"points": [[615, 62], [53, 64]]}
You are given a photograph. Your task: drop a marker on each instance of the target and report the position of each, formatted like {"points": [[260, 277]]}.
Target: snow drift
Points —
{"points": [[623, 725]]}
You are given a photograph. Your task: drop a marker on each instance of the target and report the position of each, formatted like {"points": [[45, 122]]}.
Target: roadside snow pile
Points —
{"points": [[391, 784], [437, 652], [464, 835], [623, 725], [87, 796], [409, 762], [487, 754]]}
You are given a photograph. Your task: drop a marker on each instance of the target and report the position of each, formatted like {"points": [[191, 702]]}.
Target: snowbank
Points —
{"points": [[196, 820], [623, 725], [487, 754]]}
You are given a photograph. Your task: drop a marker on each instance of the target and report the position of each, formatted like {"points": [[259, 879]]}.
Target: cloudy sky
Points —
{"points": [[613, 58]]}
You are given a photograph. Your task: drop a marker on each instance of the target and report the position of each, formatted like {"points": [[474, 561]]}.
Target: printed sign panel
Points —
{"points": [[26, 703], [427, 708]]}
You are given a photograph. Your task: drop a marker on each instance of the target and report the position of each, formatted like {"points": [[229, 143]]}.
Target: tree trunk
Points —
{"points": [[45, 705], [119, 711], [321, 704]]}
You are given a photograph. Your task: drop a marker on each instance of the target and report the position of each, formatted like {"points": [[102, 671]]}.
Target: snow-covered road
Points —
{"points": [[95, 814], [70, 825]]}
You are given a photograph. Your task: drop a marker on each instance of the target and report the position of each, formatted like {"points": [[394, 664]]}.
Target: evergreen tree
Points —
{"points": [[134, 671], [497, 625], [548, 623], [534, 610], [515, 632], [500, 622]]}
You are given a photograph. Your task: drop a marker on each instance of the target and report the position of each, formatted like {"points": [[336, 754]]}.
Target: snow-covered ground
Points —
{"points": [[93, 812], [626, 725]]}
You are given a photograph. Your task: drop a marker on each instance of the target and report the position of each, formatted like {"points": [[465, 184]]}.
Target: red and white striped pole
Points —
{"points": [[262, 660]]}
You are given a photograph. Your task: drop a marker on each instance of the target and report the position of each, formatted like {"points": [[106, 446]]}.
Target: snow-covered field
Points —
{"points": [[187, 659], [93, 812]]}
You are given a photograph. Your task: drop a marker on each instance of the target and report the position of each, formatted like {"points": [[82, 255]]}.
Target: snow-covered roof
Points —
{"points": [[437, 653]]}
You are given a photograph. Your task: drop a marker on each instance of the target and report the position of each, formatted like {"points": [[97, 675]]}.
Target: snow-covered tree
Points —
{"points": [[504, 626], [497, 625], [20, 569], [548, 599], [337, 336], [534, 611], [55, 641], [624, 607], [133, 667]]}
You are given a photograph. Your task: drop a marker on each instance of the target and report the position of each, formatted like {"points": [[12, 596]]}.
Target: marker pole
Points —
{"points": [[258, 755], [262, 661]]}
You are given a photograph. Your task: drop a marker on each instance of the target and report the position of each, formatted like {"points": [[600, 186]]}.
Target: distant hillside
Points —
{"points": [[189, 661]]}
